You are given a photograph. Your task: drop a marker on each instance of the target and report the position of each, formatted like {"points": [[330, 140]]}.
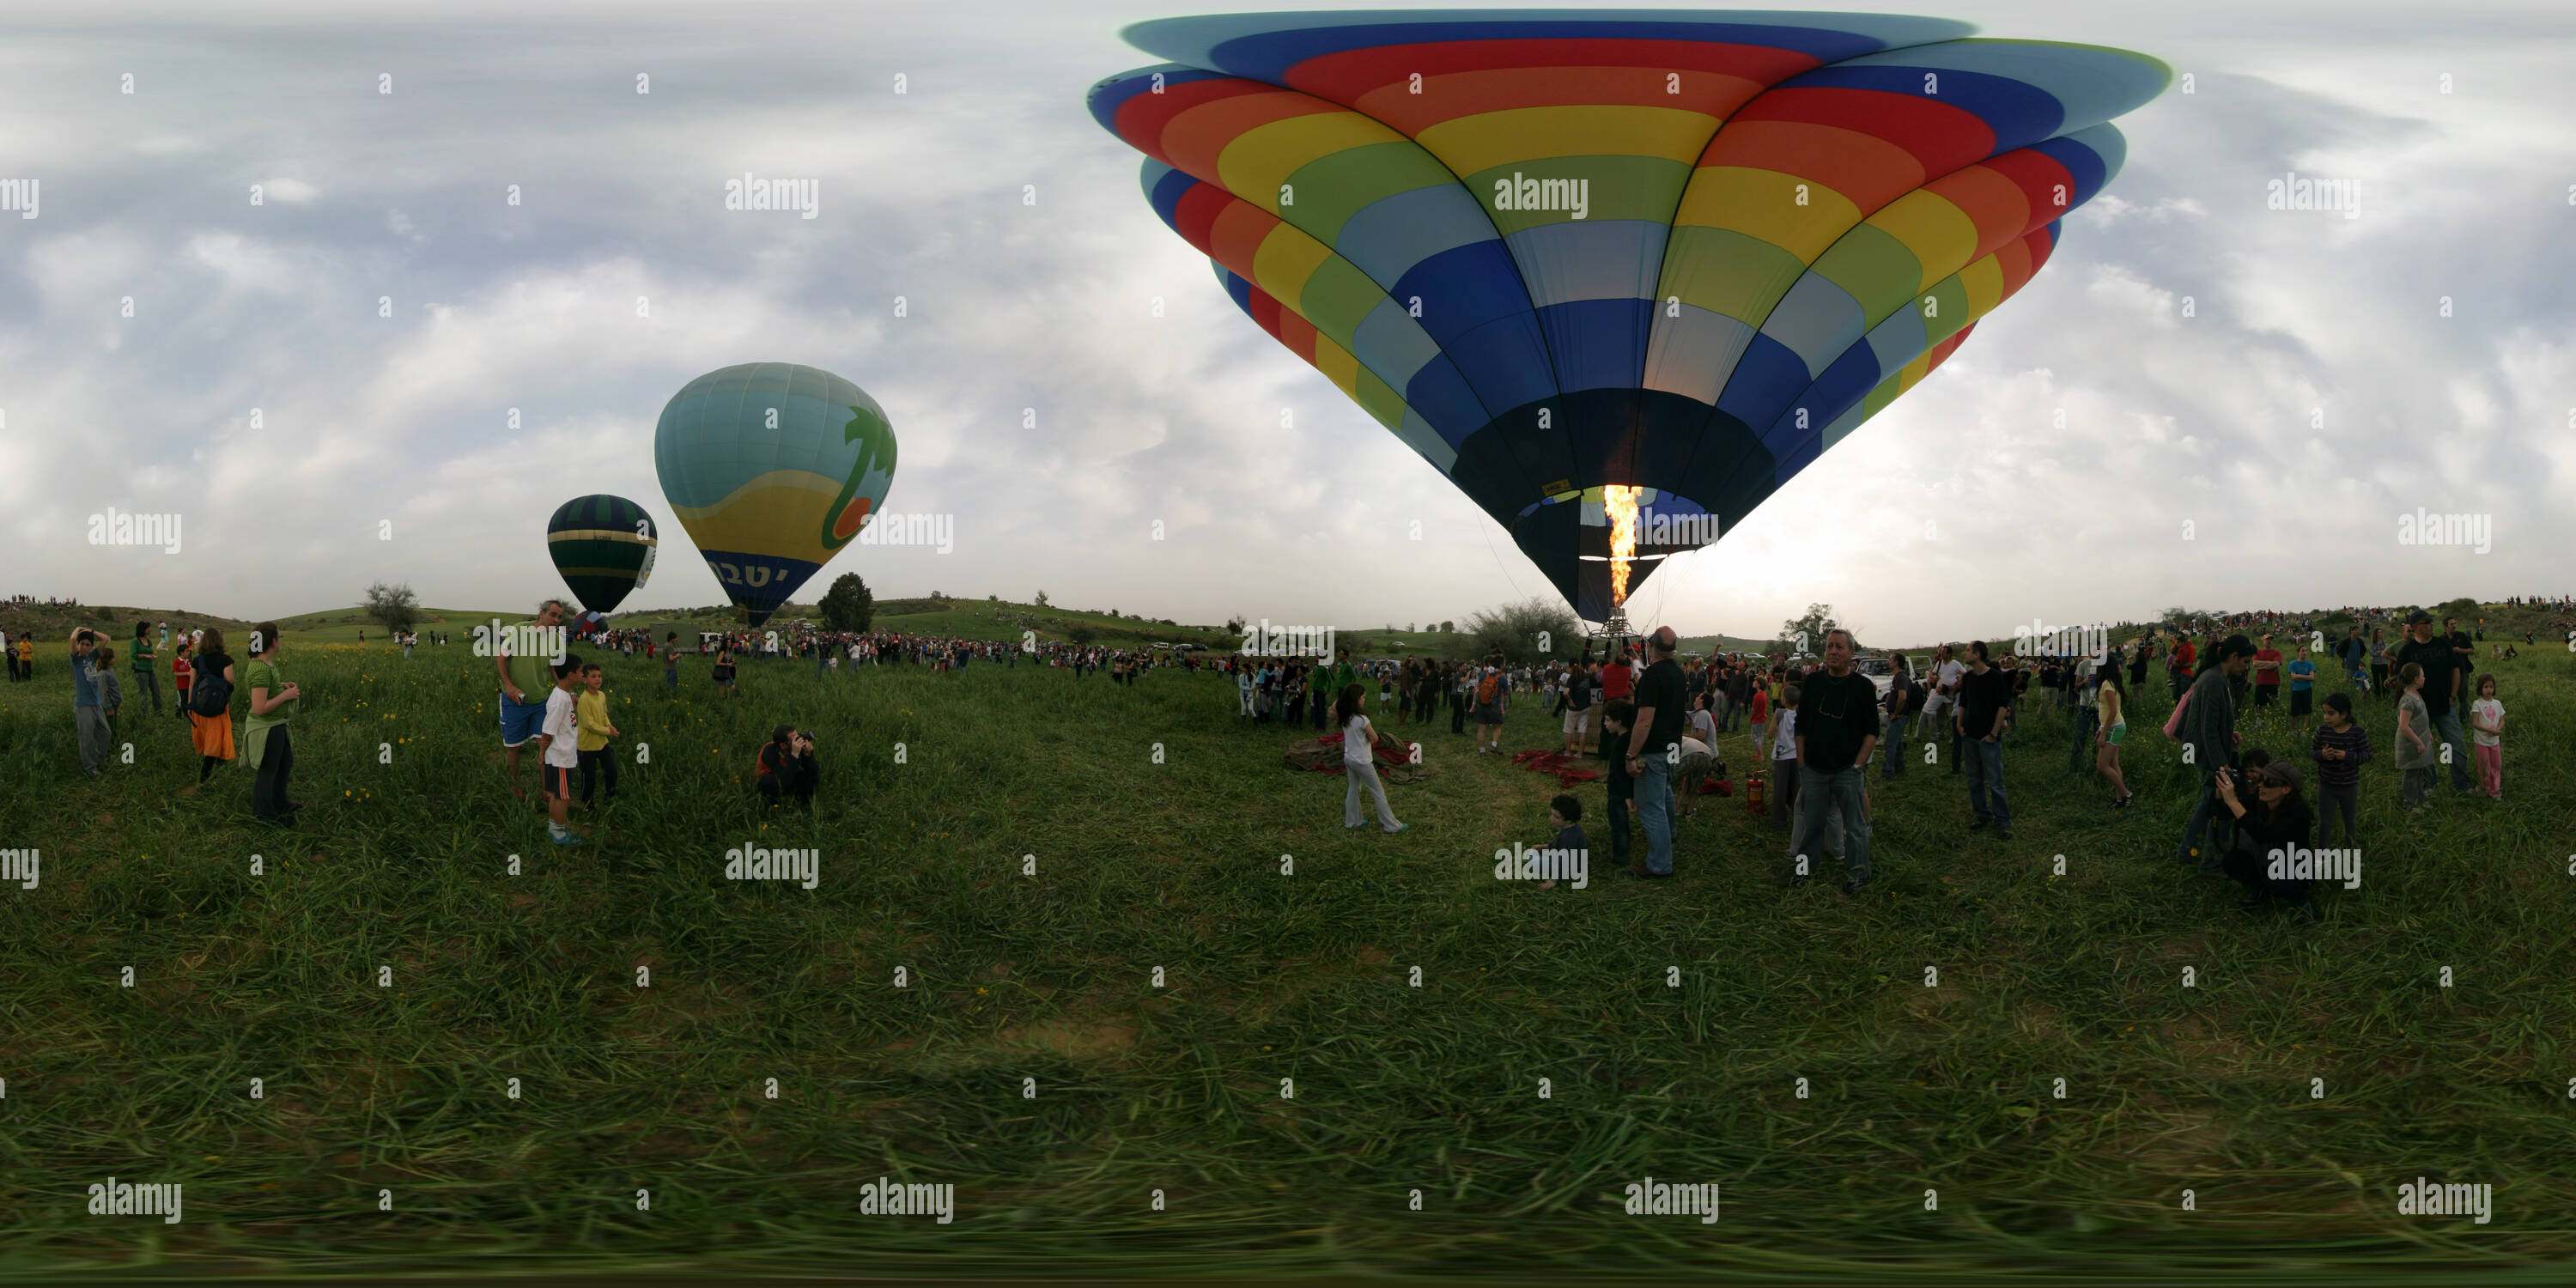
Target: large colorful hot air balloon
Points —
{"points": [[772, 468], [603, 546], [1618, 274]]}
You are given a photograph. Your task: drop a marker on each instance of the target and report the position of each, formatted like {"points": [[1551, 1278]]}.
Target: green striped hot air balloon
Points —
{"points": [[603, 545]]}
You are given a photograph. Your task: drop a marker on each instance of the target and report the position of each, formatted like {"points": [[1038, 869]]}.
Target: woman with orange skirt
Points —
{"points": [[213, 735]]}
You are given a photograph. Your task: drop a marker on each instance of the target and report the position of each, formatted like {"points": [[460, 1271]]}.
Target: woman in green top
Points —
{"points": [[146, 680], [272, 704]]}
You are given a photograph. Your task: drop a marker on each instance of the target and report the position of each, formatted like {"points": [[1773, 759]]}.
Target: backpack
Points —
{"points": [[211, 696], [2174, 721], [1489, 688]]}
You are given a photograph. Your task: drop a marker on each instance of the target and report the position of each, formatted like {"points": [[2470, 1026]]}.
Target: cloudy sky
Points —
{"points": [[2049, 470]]}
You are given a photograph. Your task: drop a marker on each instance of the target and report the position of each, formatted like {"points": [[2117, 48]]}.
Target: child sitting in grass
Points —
{"points": [[1565, 815]]}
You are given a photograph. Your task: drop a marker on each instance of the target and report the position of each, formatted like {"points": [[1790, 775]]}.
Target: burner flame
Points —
{"points": [[1620, 504]]}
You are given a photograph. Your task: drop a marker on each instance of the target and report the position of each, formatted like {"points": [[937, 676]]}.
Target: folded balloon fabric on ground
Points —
{"points": [[1323, 755], [1562, 251]]}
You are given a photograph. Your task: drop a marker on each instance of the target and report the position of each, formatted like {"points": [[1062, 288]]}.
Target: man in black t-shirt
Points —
{"points": [[1985, 707], [1836, 730], [2443, 688], [1654, 747]]}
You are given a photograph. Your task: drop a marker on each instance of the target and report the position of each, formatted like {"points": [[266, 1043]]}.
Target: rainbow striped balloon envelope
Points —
{"points": [[1618, 274]]}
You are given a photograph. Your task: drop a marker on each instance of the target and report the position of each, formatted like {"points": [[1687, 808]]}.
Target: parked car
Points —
{"points": [[1882, 671]]}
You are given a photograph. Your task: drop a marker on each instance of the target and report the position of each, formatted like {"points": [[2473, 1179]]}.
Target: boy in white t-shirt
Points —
{"points": [[559, 749]]}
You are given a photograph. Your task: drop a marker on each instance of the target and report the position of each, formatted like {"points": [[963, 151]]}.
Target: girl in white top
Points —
{"points": [[1359, 760], [2486, 737]]}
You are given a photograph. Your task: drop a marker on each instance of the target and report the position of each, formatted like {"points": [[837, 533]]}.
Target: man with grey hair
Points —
{"points": [[1654, 748], [1836, 729], [526, 681]]}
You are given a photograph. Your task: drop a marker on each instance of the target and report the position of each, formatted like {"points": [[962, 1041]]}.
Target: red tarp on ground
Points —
{"points": [[1323, 754], [1569, 772], [1566, 769]]}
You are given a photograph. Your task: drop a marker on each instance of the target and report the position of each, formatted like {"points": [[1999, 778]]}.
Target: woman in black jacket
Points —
{"points": [[2278, 826]]}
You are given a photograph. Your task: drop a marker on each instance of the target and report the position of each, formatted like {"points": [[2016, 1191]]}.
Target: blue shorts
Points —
{"points": [[520, 721]]}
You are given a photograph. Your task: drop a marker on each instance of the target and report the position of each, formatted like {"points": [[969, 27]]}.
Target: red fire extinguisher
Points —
{"points": [[1752, 793]]}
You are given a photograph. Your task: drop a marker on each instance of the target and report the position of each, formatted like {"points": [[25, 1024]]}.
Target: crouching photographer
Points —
{"points": [[788, 767]]}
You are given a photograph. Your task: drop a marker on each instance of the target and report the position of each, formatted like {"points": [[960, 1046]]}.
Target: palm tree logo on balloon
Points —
{"points": [[849, 511]]}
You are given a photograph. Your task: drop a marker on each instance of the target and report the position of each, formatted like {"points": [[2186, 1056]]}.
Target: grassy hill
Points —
{"points": [[1005, 620]]}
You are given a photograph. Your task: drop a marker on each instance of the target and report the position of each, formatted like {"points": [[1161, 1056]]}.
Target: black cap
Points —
{"points": [[2420, 616]]}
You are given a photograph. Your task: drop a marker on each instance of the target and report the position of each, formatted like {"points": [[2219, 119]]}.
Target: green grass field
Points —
{"points": [[1157, 822]]}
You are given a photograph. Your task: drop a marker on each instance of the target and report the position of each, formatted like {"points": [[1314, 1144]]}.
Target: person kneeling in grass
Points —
{"points": [[787, 766], [2273, 828], [559, 749]]}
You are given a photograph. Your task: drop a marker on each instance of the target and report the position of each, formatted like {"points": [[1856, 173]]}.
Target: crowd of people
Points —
{"points": [[1817, 723], [1655, 720], [205, 678]]}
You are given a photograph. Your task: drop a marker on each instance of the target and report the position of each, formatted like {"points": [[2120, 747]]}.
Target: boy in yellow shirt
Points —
{"points": [[592, 714]]}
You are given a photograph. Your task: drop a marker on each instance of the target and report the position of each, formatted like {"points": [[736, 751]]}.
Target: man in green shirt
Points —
{"points": [[1344, 675], [527, 677], [146, 680]]}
